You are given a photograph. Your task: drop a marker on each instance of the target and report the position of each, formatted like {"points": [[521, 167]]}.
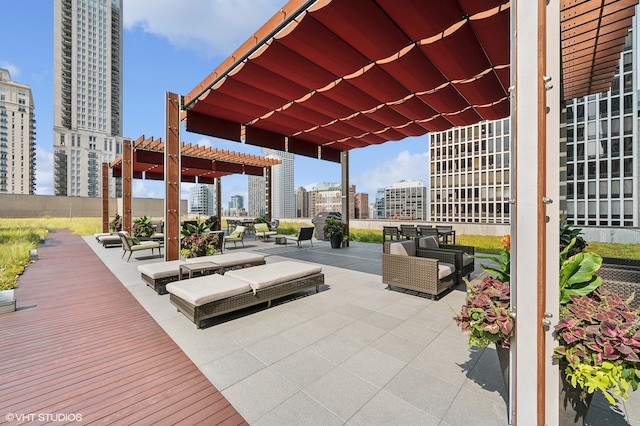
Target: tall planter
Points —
{"points": [[503, 359], [336, 240], [574, 402]]}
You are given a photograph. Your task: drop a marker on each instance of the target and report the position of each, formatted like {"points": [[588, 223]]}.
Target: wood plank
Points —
{"points": [[80, 343]]}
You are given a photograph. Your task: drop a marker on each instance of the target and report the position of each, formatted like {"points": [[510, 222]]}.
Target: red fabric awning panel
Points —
{"points": [[343, 74], [348, 74]]}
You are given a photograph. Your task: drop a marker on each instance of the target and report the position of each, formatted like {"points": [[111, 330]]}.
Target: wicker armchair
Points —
{"points": [[465, 265], [404, 267]]}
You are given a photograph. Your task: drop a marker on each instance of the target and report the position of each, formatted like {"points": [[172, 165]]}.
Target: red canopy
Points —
{"points": [[325, 76]]}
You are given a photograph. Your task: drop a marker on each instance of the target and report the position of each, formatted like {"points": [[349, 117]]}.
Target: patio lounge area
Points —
{"points": [[355, 353]]}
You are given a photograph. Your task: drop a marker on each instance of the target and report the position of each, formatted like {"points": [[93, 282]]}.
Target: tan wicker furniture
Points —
{"points": [[403, 266], [209, 296], [158, 275]]}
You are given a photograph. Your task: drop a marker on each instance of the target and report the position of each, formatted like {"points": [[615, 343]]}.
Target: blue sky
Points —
{"points": [[171, 46]]}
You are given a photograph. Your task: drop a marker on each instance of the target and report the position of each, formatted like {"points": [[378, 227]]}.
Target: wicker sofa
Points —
{"points": [[212, 295], [158, 275], [405, 267]]}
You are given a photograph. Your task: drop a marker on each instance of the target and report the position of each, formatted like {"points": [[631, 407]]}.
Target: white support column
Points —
{"points": [[552, 232], [527, 260]]}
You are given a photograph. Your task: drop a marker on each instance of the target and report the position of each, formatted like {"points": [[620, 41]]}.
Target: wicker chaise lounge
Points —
{"points": [[403, 266], [212, 295], [158, 275]]}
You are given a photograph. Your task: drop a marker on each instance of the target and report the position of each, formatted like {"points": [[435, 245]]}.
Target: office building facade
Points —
{"points": [[257, 203], [470, 173], [283, 195], [407, 200], [202, 199], [87, 119], [17, 137], [602, 150]]}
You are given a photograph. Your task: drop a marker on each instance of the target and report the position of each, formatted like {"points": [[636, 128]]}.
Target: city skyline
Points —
{"points": [[155, 55]]}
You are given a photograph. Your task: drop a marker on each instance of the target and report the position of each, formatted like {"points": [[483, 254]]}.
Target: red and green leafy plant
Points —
{"points": [[485, 316], [598, 337], [141, 227], [196, 245]]}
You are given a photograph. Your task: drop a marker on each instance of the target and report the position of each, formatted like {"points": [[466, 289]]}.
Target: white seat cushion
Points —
{"points": [[273, 273], [229, 259], [161, 269], [403, 248], [445, 269], [209, 288]]}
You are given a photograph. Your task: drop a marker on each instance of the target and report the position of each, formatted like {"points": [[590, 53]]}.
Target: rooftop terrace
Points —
{"points": [[90, 338]]}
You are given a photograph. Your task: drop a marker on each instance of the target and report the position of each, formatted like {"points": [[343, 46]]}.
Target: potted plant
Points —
{"points": [[486, 315], [598, 338], [116, 224], [335, 230], [142, 227], [198, 240]]}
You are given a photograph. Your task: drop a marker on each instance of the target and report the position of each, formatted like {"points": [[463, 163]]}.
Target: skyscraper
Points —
{"points": [[282, 178], [202, 199], [17, 137], [87, 120], [257, 205]]}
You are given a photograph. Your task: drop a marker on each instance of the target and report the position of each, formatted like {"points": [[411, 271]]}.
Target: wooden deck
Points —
{"points": [[80, 344]]}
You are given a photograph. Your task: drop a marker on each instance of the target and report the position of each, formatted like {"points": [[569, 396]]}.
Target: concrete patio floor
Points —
{"points": [[356, 353]]}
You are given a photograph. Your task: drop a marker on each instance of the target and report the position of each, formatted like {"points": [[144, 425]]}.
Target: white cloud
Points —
{"points": [[210, 27], [404, 167], [44, 171], [14, 71]]}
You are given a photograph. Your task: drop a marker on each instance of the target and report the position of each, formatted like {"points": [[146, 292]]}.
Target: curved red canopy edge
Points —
{"points": [[327, 76]]}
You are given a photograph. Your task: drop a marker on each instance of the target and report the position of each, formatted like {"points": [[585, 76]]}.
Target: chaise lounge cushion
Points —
{"points": [[229, 259], [273, 273], [201, 290], [161, 269]]}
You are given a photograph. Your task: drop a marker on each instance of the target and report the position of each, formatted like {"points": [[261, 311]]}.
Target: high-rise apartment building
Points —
{"points": [[406, 199], [302, 202], [257, 203], [87, 119], [327, 197], [236, 204], [17, 137], [283, 196], [379, 205], [361, 205], [202, 199], [602, 150], [470, 173]]}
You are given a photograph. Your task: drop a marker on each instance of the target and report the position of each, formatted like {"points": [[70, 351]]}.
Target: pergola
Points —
{"points": [[322, 77], [145, 159]]}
